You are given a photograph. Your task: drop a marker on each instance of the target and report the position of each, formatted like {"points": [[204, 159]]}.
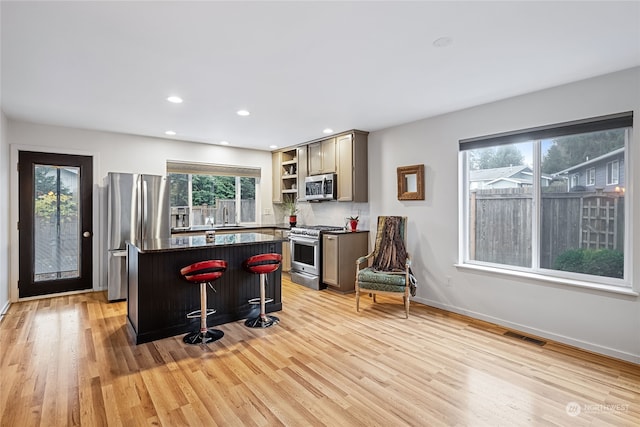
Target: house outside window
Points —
{"points": [[574, 180], [550, 225], [591, 176], [612, 173], [212, 195]]}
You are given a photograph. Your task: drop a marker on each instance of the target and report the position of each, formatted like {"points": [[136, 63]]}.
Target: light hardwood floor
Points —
{"points": [[71, 361]]}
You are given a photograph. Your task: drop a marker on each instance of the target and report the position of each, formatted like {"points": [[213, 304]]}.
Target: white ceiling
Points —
{"points": [[299, 67]]}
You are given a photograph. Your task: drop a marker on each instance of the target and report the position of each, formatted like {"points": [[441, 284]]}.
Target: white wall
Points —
{"points": [[603, 322], [4, 215], [122, 153]]}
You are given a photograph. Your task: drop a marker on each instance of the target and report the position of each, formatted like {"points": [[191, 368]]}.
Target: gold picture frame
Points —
{"points": [[411, 182]]}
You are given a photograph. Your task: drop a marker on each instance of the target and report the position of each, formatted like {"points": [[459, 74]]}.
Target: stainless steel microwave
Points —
{"points": [[320, 187]]}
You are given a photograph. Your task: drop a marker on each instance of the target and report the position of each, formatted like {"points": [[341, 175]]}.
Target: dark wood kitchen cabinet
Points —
{"points": [[303, 171], [276, 162], [286, 249], [345, 154], [339, 254], [285, 174], [352, 167], [322, 157]]}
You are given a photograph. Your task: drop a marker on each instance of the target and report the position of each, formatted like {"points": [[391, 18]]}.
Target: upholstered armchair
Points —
{"points": [[388, 270]]}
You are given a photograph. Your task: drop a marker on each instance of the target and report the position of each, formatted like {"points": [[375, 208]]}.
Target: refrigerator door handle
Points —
{"points": [[143, 210]]}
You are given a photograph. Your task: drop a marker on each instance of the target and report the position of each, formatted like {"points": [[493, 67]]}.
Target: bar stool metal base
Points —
{"points": [[262, 264], [261, 322], [198, 337], [204, 273]]}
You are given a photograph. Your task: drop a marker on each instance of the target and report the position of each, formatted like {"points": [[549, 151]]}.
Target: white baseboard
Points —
{"points": [[4, 309], [595, 348]]}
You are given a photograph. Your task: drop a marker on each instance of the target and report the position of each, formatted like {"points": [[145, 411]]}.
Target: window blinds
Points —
{"points": [[612, 121], [174, 166]]}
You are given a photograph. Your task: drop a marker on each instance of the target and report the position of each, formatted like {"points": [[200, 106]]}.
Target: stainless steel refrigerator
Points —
{"points": [[137, 209]]}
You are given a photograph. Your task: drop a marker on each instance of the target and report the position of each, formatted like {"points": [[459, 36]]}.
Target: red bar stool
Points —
{"points": [[204, 273], [262, 264]]}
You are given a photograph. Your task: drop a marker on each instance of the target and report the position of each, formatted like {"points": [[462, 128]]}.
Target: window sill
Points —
{"points": [[557, 280]]}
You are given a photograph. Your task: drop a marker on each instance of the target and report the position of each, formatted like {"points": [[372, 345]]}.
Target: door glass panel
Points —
{"points": [[56, 223]]}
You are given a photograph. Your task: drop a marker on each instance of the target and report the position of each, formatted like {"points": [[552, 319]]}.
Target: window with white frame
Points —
{"points": [[214, 195], [575, 178], [591, 176], [548, 227], [612, 173]]}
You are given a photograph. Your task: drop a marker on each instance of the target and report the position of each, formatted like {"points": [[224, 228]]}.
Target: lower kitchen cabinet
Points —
{"points": [[286, 250], [339, 254]]}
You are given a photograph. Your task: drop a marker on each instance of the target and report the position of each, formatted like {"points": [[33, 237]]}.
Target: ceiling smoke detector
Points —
{"points": [[443, 42]]}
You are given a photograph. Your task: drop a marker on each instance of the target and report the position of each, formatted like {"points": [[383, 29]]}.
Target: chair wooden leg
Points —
{"points": [[357, 299], [374, 298], [406, 306]]}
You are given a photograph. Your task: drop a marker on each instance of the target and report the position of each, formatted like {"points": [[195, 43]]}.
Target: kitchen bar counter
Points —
{"points": [[230, 229], [182, 243], [159, 298]]}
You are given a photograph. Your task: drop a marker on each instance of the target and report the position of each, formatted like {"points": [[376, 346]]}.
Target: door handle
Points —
{"points": [[86, 234]]}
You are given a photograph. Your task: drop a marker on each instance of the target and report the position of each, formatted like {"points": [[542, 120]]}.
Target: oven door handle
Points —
{"points": [[303, 240]]}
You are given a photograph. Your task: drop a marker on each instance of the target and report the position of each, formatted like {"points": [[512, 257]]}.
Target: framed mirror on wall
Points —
{"points": [[411, 182]]}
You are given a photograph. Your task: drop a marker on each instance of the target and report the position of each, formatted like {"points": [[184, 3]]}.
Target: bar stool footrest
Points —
{"points": [[198, 337], [197, 313], [257, 300], [261, 322]]}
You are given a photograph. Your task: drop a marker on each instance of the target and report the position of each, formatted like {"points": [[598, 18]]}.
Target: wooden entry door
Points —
{"points": [[55, 223]]}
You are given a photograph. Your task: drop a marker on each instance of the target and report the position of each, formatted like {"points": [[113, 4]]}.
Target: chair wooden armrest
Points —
{"points": [[362, 259]]}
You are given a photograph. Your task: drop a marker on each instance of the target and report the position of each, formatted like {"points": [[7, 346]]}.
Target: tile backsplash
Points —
{"points": [[329, 213]]}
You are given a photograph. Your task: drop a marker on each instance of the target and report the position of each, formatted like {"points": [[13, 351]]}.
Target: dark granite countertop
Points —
{"points": [[345, 232], [237, 228], [177, 243]]}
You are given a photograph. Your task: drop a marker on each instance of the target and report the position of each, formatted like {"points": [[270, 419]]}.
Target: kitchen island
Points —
{"points": [[159, 298]]}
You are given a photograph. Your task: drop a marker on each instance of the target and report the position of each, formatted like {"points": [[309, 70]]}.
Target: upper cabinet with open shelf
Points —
{"points": [[285, 174], [344, 154]]}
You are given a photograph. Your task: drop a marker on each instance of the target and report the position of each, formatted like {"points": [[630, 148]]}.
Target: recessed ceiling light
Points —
{"points": [[224, 142], [273, 146], [243, 113], [443, 42], [175, 99], [170, 132], [327, 130]]}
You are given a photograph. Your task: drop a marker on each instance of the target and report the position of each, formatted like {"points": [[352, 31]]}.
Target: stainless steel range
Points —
{"points": [[306, 254]]}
